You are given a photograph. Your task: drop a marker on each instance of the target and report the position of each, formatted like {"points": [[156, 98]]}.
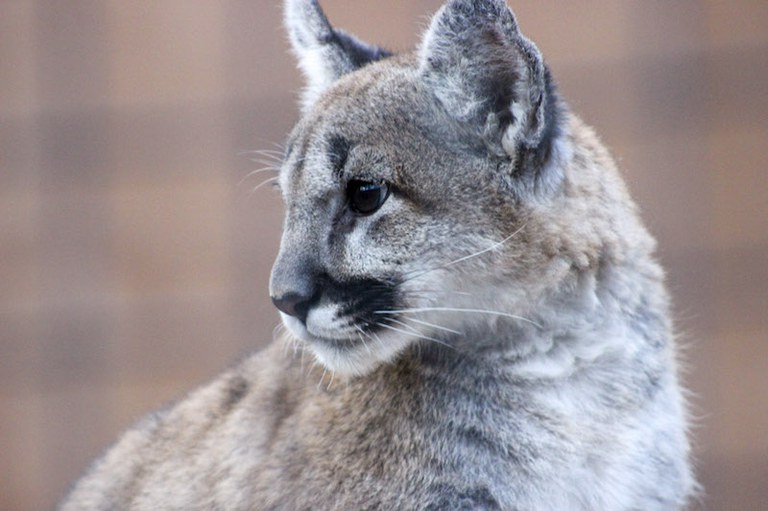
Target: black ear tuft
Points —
{"points": [[325, 54], [489, 76]]}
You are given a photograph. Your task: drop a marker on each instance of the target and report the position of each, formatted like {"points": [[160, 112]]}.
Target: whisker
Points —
{"points": [[269, 158], [290, 341], [418, 336], [488, 249], [402, 323], [362, 339], [424, 291], [273, 152], [376, 336], [255, 172], [419, 273], [268, 153], [275, 164], [289, 344], [456, 309], [265, 182], [432, 325]]}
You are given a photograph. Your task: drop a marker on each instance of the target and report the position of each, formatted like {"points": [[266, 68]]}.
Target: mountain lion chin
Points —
{"points": [[350, 351], [358, 358]]}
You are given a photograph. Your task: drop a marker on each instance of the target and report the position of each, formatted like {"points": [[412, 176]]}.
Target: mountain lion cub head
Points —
{"points": [[440, 195]]}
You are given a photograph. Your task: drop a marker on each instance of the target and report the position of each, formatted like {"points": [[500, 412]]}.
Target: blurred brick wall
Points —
{"points": [[134, 256]]}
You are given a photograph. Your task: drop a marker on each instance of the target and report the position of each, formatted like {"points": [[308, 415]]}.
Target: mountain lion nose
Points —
{"points": [[293, 304]]}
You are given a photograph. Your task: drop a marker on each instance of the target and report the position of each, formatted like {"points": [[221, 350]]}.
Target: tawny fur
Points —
{"points": [[526, 360]]}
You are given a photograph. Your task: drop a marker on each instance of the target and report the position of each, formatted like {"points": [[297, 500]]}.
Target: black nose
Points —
{"points": [[294, 304]]}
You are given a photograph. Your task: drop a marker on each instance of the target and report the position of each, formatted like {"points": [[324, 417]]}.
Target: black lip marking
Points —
{"points": [[361, 299]]}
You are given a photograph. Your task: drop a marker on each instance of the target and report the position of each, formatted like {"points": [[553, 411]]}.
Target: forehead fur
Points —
{"points": [[386, 112], [378, 95]]}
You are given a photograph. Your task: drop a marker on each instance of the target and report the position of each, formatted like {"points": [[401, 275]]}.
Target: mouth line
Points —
{"points": [[348, 343], [352, 334], [361, 336]]}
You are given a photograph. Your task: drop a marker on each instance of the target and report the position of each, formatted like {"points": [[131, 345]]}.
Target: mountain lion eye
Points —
{"points": [[365, 197]]}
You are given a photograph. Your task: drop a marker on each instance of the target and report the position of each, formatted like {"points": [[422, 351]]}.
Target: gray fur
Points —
{"points": [[473, 55], [495, 336]]}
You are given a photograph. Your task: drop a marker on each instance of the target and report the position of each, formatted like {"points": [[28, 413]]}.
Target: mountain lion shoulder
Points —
{"points": [[463, 261]]}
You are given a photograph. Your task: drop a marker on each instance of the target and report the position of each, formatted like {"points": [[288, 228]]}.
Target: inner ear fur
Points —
{"points": [[324, 53], [487, 74]]}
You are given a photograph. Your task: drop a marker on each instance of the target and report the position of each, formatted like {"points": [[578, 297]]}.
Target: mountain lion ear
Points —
{"points": [[325, 54], [488, 75]]}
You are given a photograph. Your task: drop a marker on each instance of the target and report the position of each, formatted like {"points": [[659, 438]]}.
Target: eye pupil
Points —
{"points": [[365, 197]]}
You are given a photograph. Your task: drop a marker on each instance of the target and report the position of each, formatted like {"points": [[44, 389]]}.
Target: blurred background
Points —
{"points": [[135, 253]]}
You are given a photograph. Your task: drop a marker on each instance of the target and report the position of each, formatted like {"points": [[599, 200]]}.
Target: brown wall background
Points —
{"points": [[134, 256]]}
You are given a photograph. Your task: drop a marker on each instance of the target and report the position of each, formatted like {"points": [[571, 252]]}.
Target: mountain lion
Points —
{"points": [[463, 263]]}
